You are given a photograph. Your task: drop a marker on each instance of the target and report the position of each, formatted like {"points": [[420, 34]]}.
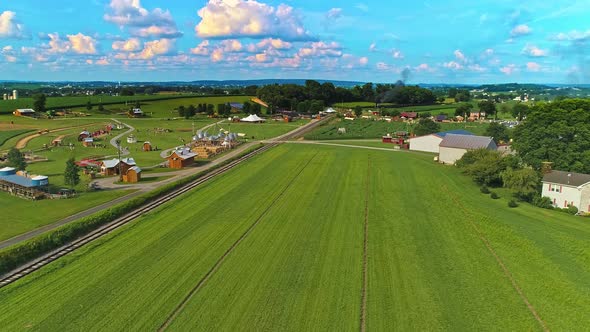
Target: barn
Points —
{"points": [[111, 167], [430, 143], [180, 158], [24, 112], [21, 184], [567, 189], [453, 146], [133, 175]]}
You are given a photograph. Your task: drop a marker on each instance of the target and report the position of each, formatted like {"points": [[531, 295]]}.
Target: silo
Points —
{"points": [[14, 94]]}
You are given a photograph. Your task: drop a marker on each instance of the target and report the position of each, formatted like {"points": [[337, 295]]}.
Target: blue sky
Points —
{"points": [[365, 40]]}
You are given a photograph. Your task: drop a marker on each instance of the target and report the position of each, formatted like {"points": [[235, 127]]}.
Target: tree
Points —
{"points": [[519, 111], [190, 111], [137, 104], [426, 127], [463, 109], [71, 175], [89, 106], [127, 92], [523, 183], [484, 166], [498, 131], [39, 102], [247, 107], [210, 109], [100, 108], [181, 111], [16, 159], [488, 107], [358, 111], [256, 109]]}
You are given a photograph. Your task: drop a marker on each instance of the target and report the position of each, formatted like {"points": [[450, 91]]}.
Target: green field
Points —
{"points": [[278, 244], [366, 128], [6, 135], [34, 214]]}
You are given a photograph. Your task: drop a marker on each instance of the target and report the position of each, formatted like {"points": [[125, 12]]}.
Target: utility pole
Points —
{"points": [[118, 142]]}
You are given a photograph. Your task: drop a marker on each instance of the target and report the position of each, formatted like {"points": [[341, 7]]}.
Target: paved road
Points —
{"points": [[114, 139]]}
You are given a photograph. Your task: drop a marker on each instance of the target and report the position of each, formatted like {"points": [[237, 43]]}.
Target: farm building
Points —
{"points": [[137, 112], [24, 112], [133, 175], [22, 185], [131, 139], [430, 143], [409, 115], [473, 116], [440, 118], [181, 157], [88, 142], [567, 188], [147, 146], [111, 167], [84, 134], [454, 146]]}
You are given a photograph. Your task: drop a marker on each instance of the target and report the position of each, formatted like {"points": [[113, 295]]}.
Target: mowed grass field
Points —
{"points": [[280, 243]]}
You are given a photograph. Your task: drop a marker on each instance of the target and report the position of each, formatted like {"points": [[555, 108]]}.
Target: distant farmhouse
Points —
{"points": [[453, 147], [567, 188]]}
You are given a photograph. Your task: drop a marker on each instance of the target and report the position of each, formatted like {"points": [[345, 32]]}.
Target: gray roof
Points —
{"points": [[183, 153], [467, 142], [560, 177]]}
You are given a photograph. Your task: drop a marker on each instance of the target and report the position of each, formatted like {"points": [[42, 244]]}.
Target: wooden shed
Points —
{"points": [[180, 158], [24, 112], [133, 175], [147, 146]]}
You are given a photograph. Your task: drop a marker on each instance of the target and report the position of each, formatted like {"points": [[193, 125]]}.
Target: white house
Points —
{"points": [[430, 143], [567, 188], [453, 147]]}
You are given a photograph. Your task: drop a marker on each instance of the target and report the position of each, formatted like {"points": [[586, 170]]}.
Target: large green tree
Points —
{"points": [[523, 183], [487, 106], [498, 131], [519, 111], [558, 132], [16, 159], [463, 109], [39, 101], [426, 127], [71, 173]]}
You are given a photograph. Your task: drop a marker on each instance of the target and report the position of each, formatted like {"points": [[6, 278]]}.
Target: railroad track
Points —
{"points": [[38, 263]]}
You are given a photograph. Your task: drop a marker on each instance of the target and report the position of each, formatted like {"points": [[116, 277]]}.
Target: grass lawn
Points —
{"points": [[364, 128], [33, 214], [5, 135], [434, 244]]}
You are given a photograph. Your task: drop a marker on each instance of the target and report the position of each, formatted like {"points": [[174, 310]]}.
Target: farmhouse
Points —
{"points": [[453, 146], [133, 175], [430, 143], [567, 188], [22, 185], [111, 167], [181, 157], [24, 112]]}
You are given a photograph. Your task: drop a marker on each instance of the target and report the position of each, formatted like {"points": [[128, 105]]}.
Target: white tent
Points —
{"points": [[252, 118], [330, 110]]}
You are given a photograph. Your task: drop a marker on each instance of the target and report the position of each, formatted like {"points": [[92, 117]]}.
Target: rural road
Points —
{"points": [[114, 139], [22, 143], [141, 189]]}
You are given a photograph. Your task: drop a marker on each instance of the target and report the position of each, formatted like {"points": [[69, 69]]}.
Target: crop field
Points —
{"points": [[322, 238], [5, 135], [365, 128]]}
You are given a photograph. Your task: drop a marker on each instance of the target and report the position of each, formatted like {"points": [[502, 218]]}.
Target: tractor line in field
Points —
{"points": [[365, 249], [221, 259]]}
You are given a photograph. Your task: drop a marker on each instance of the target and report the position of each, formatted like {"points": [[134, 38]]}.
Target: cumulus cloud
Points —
{"points": [[363, 61], [9, 53], [9, 26], [130, 45], [201, 49], [334, 13], [362, 7], [573, 35], [227, 19], [423, 67], [154, 48], [217, 55], [460, 56], [397, 54], [534, 51], [82, 44], [373, 47], [321, 48], [520, 30], [231, 46], [476, 68], [157, 23], [274, 43], [533, 66], [453, 65], [509, 69]]}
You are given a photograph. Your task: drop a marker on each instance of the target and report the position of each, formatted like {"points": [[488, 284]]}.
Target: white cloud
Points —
{"points": [[231, 46], [423, 67], [9, 27], [334, 13], [571, 36], [363, 61], [397, 54], [509, 69], [460, 56], [321, 49], [158, 23], [274, 43], [373, 47], [201, 49], [453, 65], [520, 30], [488, 52], [82, 44], [154, 48], [534, 51], [383, 66], [130, 45], [533, 66], [217, 55], [476, 68], [226, 19]]}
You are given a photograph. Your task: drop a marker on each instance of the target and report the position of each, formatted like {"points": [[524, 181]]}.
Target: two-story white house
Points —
{"points": [[567, 188]]}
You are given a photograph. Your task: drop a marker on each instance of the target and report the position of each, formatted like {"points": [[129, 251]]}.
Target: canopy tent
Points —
{"points": [[330, 110], [252, 118]]}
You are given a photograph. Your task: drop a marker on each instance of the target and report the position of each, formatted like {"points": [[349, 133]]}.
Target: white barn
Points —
{"points": [[453, 147], [430, 143], [567, 188]]}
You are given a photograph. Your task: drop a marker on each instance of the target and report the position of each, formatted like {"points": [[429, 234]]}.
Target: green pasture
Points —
{"points": [[439, 255], [23, 215], [6, 135], [368, 128]]}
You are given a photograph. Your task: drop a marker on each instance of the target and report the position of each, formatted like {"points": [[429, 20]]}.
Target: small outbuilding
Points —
{"points": [[147, 146], [88, 142], [131, 139], [84, 134], [453, 146], [181, 157], [236, 107], [24, 112], [111, 167], [133, 175]]}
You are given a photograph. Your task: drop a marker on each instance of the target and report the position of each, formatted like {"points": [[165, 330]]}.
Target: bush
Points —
{"points": [[543, 202], [493, 195], [571, 210], [512, 203], [484, 190]]}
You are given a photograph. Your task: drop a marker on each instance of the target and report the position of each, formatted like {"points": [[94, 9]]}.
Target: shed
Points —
{"points": [[131, 139], [24, 112], [88, 142], [454, 146], [567, 189], [137, 112], [409, 115], [133, 175], [147, 146], [181, 157], [111, 167], [430, 143], [84, 134]]}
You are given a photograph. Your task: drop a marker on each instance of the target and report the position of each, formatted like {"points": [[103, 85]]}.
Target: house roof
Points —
{"points": [[19, 180], [183, 153], [409, 114], [25, 110], [456, 132], [114, 162], [566, 178], [441, 117], [135, 168], [466, 141]]}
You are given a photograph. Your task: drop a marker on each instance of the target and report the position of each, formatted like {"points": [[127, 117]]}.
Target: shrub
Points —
{"points": [[572, 210], [512, 203], [493, 195], [484, 190], [543, 202]]}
